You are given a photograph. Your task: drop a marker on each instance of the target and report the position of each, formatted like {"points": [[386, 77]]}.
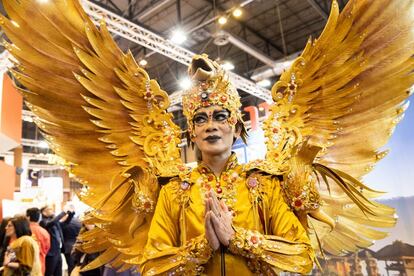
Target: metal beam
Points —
{"points": [[153, 9], [253, 31], [122, 27]]}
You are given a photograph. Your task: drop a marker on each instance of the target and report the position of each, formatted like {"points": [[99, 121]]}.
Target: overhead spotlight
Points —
{"points": [[227, 66], [178, 37], [237, 12], [185, 83], [43, 145], [143, 62], [264, 83], [222, 20]]}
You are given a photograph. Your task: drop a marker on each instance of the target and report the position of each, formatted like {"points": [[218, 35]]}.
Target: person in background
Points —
{"points": [[4, 240], [41, 235], [70, 230], [81, 259], [22, 255], [52, 224]]}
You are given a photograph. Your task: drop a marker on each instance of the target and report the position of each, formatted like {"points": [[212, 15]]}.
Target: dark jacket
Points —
{"points": [[52, 225], [70, 231]]}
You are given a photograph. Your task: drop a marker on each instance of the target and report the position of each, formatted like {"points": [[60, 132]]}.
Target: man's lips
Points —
{"points": [[212, 138]]}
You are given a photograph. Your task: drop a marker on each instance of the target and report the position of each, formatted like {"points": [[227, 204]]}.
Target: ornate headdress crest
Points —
{"points": [[211, 86]]}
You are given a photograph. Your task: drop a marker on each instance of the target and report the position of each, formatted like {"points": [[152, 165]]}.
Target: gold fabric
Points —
{"points": [[273, 238], [108, 120], [27, 255]]}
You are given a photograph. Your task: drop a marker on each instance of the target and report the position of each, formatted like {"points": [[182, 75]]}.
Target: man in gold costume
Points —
{"points": [[220, 218], [333, 111]]}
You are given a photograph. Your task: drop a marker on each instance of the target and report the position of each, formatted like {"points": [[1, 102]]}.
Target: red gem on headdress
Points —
{"points": [[206, 103], [219, 190], [275, 130], [223, 99], [210, 177], [148, 94], [169, 139], [298, 203]]}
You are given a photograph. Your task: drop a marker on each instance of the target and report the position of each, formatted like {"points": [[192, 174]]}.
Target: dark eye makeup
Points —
{"points": [[218, 116]]}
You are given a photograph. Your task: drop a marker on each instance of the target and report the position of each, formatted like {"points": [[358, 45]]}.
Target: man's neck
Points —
{"points": [[216, 163]]}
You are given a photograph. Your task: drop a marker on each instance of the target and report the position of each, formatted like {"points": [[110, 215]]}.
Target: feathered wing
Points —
{"points": [[334, 110], [101, 113]]}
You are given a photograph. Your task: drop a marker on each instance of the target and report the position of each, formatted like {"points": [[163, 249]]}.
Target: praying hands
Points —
{"points": [[218, 221]]}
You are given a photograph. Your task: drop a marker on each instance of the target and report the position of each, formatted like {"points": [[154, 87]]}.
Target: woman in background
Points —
{"points": [[4, 240], [22, 255]]}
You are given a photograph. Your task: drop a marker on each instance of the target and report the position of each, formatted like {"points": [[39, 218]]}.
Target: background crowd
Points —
{"points": [[34, 243]]}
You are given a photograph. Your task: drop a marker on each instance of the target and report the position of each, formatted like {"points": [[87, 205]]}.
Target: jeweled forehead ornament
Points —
{"points": [[211, 86]]}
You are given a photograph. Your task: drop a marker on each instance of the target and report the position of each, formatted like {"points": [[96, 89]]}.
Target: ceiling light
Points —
{"points": [[178, 37], [237, 12], [143, 62], [222, 20], [264, 83], [43, 145], [227, 66], [185, 83]]}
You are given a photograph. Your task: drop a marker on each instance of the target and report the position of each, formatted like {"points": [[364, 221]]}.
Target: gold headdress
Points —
{"points": [[211, 86]]}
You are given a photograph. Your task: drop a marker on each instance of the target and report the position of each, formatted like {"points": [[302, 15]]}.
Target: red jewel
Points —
{"points": [[298, 203], [203, 170], [169, 139], [217, 185], [275, 130], [292, 86], [208, 187], [219, 190], [223, 99], [225, 177], [210, 177], [254, 239], [148, 94], [147, 205], [206, 103]]}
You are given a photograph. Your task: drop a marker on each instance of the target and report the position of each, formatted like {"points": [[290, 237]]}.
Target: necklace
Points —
{"points": [[224, 186]]}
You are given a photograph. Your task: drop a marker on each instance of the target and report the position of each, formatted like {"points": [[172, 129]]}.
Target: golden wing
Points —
{"points": [[334, 109], [101, 113]]}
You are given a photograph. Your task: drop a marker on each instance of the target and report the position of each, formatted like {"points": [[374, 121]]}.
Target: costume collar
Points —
{"points": [[230, 164]]}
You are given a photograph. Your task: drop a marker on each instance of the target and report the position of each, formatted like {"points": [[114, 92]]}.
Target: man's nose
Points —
{"points": [[211, 124]]}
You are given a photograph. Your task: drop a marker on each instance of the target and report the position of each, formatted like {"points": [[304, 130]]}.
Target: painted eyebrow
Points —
{"points": [[214, 112]]}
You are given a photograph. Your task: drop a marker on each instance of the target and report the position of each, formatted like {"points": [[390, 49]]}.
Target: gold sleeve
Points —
{"points": [[286, 248], [164, 252]]}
